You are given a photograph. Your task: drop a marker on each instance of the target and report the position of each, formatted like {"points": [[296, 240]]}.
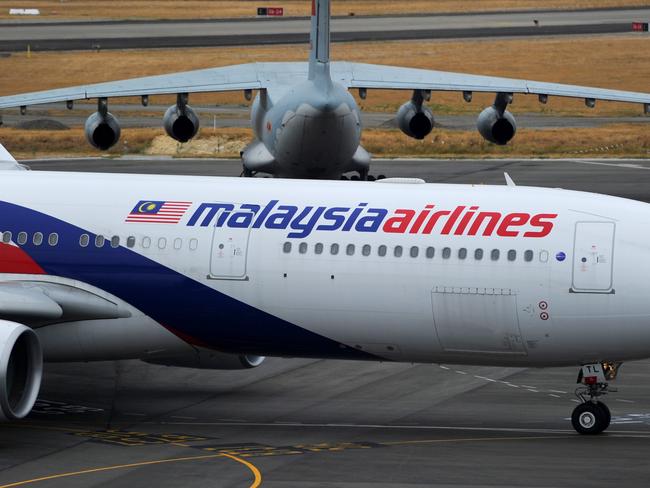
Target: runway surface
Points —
{"points": [[134, 115], [308, 423], [43, 36]]}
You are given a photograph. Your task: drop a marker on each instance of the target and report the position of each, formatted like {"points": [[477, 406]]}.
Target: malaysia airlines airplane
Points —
{"points": [[305, 120], [214, 272]]}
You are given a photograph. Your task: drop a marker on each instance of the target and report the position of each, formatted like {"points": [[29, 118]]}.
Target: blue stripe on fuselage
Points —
{"points": [[185, 306]]}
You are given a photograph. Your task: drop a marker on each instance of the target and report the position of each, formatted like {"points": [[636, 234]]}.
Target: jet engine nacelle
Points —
{"points": [[21, 369], [207, 359], [495, 127], [181, 123], [414, 121], [102, 131]]}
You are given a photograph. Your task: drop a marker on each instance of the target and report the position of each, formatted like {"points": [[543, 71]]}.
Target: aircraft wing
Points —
{"points": [[359, 75], [227, 78]]}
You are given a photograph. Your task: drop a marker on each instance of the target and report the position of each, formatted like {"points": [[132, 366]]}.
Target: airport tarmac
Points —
{"points": [[48, 36], [310, 423]]}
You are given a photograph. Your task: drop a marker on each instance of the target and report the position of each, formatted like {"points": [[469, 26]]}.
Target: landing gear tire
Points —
{"points": [[590, 418], [608, 414]]}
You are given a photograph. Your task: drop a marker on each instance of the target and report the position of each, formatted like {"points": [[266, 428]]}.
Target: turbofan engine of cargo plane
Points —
{"points": [[102, 130], [181, 122], [21, 369], [495, 127], [415, 120], [495, 123]]}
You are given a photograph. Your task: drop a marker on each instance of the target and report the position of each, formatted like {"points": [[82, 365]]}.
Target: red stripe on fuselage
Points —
{"points": [[14, 260]]}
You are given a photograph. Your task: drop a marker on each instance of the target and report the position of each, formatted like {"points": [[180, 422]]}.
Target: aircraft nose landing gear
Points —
{"points": [[592, 416]]}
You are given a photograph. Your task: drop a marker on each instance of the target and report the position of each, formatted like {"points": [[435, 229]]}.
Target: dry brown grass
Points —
{"points": [[621, 62], [186, 9], [621, 141]]}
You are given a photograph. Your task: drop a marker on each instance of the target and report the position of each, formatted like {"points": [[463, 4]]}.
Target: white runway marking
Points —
{"points": [[619, 433], [484, 378], [615, 165]]}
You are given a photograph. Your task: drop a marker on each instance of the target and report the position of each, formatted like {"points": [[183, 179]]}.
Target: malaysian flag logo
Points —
{"points": [[158, 212]]}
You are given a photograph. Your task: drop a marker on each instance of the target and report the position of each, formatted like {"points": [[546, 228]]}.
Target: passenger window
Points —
{"points": [[318, 248], [286, 247], [99, 240], [115, 242], [528, 256], [53, 239], [84, 240], [334, 249], [302, 248], [146, 242], [446, 252], [6, 237], [494, 255], [349, 250], [512, 255], [415, 250], [37, 238], [381, 251], [130, 241], [22, 238], [478, 254], [162, 243], [543, 256], [365, 250], [462, 253], [178, 243], [398, 251], [431, 251], [194, 244]]}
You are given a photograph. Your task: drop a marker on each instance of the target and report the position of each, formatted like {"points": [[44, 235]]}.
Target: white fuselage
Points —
{"points": [[387, 271]]}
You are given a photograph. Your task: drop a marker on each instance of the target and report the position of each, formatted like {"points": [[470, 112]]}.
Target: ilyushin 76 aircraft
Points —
{"points": [[306, 122], [214, 272]]}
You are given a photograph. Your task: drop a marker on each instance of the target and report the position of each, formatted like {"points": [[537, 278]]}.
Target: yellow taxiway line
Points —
{"points": [[256, 472]]}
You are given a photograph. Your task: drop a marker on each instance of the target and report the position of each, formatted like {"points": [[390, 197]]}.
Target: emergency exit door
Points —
{"points": [[593, 257], [230, 250]]}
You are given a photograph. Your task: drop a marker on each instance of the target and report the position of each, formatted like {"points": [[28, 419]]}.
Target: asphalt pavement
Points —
{"points": [[44, 36]]}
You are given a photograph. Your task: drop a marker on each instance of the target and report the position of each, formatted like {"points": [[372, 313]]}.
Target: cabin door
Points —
{"points": [[230, 250], [593, 257]]}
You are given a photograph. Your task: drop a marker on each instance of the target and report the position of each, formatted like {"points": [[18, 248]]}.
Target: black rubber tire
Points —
{"points": [[589, 419], [607, 413]]}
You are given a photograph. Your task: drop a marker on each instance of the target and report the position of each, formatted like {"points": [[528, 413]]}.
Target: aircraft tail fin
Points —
{"points": [[319, 57]]}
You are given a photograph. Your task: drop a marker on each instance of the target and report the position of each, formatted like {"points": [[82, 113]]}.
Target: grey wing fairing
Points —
{"points": [[38, 303], [360, 75]]}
